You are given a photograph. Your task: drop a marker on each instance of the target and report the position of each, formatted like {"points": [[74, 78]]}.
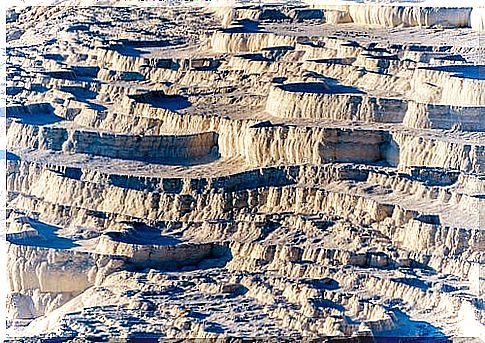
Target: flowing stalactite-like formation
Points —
{"points": [[282, 172]]}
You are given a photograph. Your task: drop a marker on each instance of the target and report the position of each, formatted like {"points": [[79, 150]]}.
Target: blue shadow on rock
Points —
{"points": [[47, 238], [408, 330], [469, 71], [34, 114], [325, 283], [244, 26], [11, 156], [159, 99], [319, 88]]}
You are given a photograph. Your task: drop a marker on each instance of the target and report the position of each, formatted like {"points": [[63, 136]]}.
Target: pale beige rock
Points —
{"points": [[477, 18], [245, 171]]}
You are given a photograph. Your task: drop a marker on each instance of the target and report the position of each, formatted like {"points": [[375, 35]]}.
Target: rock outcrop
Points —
{"points": [[401, 15], [254, 171]]}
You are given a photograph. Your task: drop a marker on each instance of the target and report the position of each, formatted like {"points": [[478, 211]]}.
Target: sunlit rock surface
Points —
{"points": [[248, 171]]}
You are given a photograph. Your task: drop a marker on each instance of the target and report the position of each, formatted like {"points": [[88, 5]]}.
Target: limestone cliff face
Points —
{"points": [[477, 18], [392, 16], [247, 42], [169, 257], [112, 145], [110, 58], [42, 279], [55, 271], [253, 171], [336, 16], [448, 89], [432, 116], [334, 105], [445, 154]]}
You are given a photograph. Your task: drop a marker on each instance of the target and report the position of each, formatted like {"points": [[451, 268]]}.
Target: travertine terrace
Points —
{"points": [[253, 171]]}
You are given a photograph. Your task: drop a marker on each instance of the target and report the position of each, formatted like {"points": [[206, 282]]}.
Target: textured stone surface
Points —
{"points": [[215, 172]]}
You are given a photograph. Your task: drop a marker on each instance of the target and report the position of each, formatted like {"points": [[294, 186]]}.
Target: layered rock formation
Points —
{"points": [[388, 14], [275, 171]]}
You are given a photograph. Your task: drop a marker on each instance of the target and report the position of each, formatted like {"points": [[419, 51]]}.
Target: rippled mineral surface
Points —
{"points": [[250, 171]]}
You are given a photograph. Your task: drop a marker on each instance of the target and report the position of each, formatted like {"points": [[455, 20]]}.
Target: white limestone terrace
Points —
{"points": [[255, 171]]}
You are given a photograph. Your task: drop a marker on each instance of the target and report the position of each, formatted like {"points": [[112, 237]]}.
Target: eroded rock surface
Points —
{"points": [[251, 171]]}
